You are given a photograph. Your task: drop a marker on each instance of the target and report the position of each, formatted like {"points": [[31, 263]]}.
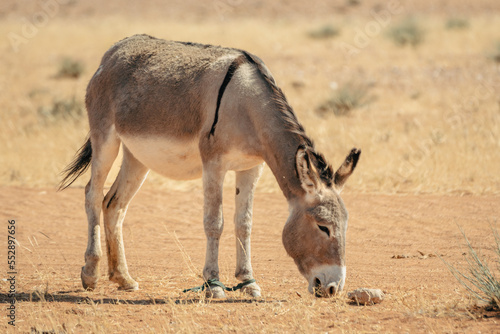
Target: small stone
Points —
{"points": [[400, 256], [366, 296]]}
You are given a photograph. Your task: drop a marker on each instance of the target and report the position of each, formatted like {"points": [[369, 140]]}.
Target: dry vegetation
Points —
{"points": [[431, 125]]}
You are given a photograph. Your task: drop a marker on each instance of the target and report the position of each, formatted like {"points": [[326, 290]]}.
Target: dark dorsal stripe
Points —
{"points": [[229, 75], [230, 72]]}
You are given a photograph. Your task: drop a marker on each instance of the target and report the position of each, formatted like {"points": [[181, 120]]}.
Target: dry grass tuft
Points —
{"points": [[326, 31], [62, 108], [478, 277], [70, 68], [495, 55], [345, 99], [353, 2], [407, 32], [457, 23]]}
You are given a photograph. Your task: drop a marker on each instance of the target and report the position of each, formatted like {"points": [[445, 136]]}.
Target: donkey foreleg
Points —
{"points": [[246, 182], [213, 222], [130, 178]]}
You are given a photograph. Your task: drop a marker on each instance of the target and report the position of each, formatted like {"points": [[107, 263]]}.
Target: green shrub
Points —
{"points": [[326, 31], [70, 68], [495, 55], [343, 100], [457, 23], [62, 109], [353, 2], [407, 32]]}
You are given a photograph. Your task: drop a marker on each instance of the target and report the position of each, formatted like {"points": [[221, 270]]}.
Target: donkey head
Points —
{"points": [[314, 235]]}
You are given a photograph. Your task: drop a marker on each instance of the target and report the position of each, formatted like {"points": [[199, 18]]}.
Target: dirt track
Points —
{"points": [[422, 294]]}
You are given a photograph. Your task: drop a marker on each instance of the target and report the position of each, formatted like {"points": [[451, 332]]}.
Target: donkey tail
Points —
{"points": [[76, 168]]}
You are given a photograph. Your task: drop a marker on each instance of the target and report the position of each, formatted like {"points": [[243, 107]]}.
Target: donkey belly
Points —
{"points": [[173, 158]]}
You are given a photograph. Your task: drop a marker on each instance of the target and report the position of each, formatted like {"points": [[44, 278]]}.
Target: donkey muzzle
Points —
{"points": [[327, 281]]}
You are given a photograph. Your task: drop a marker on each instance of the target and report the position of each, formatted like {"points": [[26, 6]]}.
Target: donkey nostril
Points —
{"points": [[332, 290], [317, 287]]}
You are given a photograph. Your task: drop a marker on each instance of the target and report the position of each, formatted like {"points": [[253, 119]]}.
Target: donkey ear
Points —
{"points": [[346, 169], [308, 175]]}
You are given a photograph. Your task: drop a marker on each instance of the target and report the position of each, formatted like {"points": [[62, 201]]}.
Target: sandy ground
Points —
{"points": [[165, 250]]}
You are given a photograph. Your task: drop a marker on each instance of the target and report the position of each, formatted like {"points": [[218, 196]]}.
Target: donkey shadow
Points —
{"points": [[71, 297]]}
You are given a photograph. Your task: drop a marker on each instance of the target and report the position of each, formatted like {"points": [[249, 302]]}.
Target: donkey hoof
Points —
{"points": [[252, 290], [129, 286], [215, 292], [89, 282], [124, 284]]}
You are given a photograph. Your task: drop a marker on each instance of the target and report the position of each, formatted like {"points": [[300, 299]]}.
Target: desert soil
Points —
{"points": [[392, 244]]}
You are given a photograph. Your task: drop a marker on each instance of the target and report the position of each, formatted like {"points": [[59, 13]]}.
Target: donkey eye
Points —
{"points": [[324, 229]]}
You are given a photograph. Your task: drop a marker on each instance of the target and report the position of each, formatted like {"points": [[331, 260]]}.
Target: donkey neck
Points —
{"points": [[281, 140], [275, 124], [282, 163]]}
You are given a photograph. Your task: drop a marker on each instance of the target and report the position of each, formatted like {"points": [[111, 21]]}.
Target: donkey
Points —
{"points": [[186, 111]]}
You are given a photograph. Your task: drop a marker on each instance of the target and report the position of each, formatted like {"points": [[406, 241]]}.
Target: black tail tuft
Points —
{"points": [[78, 166]]}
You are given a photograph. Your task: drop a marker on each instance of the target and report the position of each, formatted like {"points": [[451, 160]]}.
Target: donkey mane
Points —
{"points": [[292, 124]]}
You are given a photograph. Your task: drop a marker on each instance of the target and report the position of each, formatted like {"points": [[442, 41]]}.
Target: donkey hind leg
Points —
{"points": [[213, 222], [130, 178], [104, 152], [245, 187]]}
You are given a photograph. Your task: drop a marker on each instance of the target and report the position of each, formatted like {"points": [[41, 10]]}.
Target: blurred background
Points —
{"points": [[414, 84]]}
